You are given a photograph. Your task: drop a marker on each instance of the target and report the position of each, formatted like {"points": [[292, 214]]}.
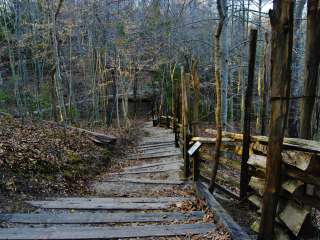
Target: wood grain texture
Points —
{"points": [[73, 233], [97, 217]]}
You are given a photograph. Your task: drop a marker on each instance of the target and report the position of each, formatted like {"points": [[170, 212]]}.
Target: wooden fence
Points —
{"points": [[300, 185]]}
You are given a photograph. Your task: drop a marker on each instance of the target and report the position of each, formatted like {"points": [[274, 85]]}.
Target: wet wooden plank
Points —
{"points": [[236, 232], [97, 218], [73, 233]]}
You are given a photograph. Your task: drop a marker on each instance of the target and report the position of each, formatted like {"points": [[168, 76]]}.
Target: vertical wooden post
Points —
{"points": [[179, 110], [196, 105], [281, 17], [195, 122], [244, 179], [185, 120], [196, 167], [176, 114]]}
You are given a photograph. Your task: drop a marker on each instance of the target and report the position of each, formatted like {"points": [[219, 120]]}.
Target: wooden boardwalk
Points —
{"points": [[139, 202]]}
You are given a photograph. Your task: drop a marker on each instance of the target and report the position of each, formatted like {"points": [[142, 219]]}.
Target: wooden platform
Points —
{"points": [[137, 202]]}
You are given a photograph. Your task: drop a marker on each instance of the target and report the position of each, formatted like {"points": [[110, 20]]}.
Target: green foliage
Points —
{"points": [[6, 22], [73, 113], [121, 30], [6, 97]]}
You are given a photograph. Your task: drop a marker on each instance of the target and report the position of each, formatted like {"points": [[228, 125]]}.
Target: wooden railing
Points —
{"points": [[300, 188]]}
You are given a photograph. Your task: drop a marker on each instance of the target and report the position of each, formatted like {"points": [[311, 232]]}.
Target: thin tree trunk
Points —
{"points": [[217, 76], [244, 180], [281, 18], [265, 86]]}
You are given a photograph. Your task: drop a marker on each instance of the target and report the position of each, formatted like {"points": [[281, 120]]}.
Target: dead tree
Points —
{"points": [[312, 60], [281, 18]]}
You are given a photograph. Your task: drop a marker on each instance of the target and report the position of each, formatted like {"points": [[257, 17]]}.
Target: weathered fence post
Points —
{"points": [[195, 121], [185, 118], [244, 178], [196, 167], [281, 18]]}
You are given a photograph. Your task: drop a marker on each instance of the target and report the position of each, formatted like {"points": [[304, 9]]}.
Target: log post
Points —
{"points": [[195, 122], [196, 106], [196, 167], [177, 118], [244, 179], [185, 120], [281, 17]]}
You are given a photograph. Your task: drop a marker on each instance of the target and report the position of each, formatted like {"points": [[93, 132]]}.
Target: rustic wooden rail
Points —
{"points": [[300, 190]]}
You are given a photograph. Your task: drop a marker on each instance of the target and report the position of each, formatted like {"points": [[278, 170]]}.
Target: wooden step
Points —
{"points": [[145, 181], [121, 199], [157, 155], [153, 165], [152, 169], [84, 232], [97, 217], [107, 203]]}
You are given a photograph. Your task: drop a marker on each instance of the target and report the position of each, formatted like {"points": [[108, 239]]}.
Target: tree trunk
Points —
{"points": [[224, 65], [185, 81], [244, 180], [281, 18], [265, 87], [293, 128], [217, 76], [312, 60]]}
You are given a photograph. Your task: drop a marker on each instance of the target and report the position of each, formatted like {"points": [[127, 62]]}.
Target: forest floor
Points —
{"points": [[40, 159]]}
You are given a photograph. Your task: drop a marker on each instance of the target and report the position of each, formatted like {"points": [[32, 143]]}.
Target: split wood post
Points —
{"points": [[244, 179], [281, 18], [185, 120], [195, 122]]}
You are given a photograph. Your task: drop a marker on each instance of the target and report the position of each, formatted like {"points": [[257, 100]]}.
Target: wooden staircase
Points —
{"points": [[139, 202]]}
